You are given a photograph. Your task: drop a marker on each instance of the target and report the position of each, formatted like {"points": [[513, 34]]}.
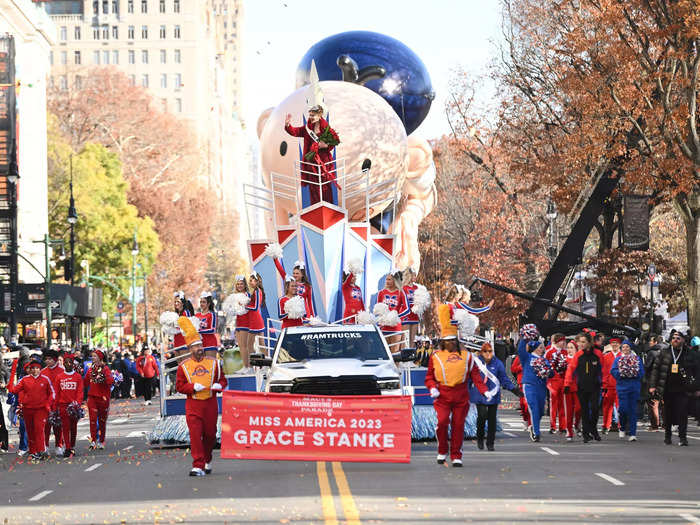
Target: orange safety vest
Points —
{"points": [[202, 372], [445, 318], [451, 368]]}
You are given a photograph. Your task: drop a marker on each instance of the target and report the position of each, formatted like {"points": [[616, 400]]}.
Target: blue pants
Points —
{"points": [[23, 443], [535, 395], [628, 410]]}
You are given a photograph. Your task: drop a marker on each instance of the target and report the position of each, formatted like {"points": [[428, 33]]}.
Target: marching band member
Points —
{"points": [[536, 371], [303, 285], [52, 370], [352, 297], [290, 291], [448, 371], [183, 308], [36, 396], [555, 385], [100, 380], [200, 378], [69, 389], [208, 320], [444, 313], [392, 295], [610, 403], [628, 371]]}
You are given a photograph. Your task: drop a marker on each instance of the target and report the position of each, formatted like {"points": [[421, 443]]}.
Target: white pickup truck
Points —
{"points": [[332, 360]]}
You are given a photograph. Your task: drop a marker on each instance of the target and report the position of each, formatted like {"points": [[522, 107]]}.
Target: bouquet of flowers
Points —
{"points": [[327, 137], [75, 410], [628, 366], [54, 419], [559, 363], [542, 368], [97, 374]]}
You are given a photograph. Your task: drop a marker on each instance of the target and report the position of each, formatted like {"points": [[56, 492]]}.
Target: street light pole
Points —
{"points": [[134, 253], [47, 242], [651, 271], [72, 220], [13, 178]]}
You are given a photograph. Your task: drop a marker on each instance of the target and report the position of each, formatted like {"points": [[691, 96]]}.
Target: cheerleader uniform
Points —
{"points": [[287, 322], [69, 388], [256, 324], [207, 329], [243, 320], [179, 339], [352, 295], [395, 301], [302, 289], [408, 291]]}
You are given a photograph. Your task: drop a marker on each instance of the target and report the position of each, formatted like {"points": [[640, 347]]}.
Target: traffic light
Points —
{"points": [[67, 269]]}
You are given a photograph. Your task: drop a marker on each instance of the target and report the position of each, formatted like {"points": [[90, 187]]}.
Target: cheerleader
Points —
{"points": [[99, 379], [208, 320], [243, 326], [572, 408], [69, 389], [352, 297], [256, 324], [303, 285], [628, 371], [411, 321], [392, 295], [536, 371], [52, 370], [555, 385], [290, 291]]}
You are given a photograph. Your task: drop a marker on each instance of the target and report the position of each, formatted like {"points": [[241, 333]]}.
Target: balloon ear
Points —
{"points": [[262, 120], [421, 171]]}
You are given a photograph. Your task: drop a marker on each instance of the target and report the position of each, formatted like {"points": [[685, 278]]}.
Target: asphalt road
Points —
{"points": [[549, 482]]}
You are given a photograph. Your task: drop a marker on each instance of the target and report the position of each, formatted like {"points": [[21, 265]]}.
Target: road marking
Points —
{"points": [[120, 420], [612, 480], [128, 448], [509, 434], [93, 467], [327, 503], [550, 451], [136, 433], [41, 494], [352, 517], [690, 518], [693, 437]]}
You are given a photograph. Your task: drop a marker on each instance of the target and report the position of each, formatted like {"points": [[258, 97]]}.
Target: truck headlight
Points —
{"points": [[389, 384], [281, 386]]}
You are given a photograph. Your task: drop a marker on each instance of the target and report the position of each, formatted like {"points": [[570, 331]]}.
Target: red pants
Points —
{"points": [[453, 401], [572, 412], [57, 434], [609, 401], [34, 423], [556, 406], [201, 416], [69, 427], [524, 411], [98, 410]]}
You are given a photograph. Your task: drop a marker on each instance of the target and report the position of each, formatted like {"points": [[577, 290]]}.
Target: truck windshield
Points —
{"points": [[331, 345]]}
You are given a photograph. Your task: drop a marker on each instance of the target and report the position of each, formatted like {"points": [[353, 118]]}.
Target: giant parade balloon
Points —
{"points": [[380, 63]]}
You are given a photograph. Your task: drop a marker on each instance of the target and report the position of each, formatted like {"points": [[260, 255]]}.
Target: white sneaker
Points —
{"points": [[622, 434], [59, 451], [101, 446], [441, 458], [197, 472], [632, 438], [207, 468], [21, 453], [456, 462]]}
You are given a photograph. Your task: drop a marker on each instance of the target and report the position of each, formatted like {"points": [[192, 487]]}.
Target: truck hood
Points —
{"points": [[333, 368]]}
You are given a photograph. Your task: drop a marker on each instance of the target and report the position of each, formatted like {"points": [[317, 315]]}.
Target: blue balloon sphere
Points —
{"points": [[405, 84]]}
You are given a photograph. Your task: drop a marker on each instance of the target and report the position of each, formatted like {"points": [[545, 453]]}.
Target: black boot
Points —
{"points": [[480, 443]]}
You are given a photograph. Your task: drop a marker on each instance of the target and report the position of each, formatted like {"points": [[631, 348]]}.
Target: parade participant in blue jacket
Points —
{"points": [[536, 371], [486, 409], [628, 371]]}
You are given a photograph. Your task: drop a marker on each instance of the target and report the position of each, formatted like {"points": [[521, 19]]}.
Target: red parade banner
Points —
{"points": [[257, 425]]}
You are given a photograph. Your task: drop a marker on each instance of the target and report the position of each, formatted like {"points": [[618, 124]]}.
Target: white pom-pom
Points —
{"points": [[467, 323], [235, 304], [295, 307], [356, 266], [421, 300], [274, 250], [316, 321], [390, 318], [380, 309], [365, 317], [168, 322]]}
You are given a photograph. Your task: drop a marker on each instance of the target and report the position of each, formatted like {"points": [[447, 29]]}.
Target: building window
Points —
{"points": [[178, 81], [130, 6], [76, 33], [176, 6], [144, 56], [115, 7], [130, 32], [105, 57], [177, 56], [76, 58], [115, 57], [177, 32], [51, 57], [132, 56], [105, 32], [105, 6], [132, 79], [96, 7], [163, 56], [96, 33], [144, 6], [64, 57], [162, 6], [96, 57], [144, 81], [78, 82], [144, 32], [163, 80], [115, 32], [64, 33], [162, 32], [178, 105], [64, 82]]}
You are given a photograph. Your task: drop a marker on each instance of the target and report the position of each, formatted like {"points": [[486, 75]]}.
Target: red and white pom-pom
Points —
{"points": [[235, 304], [390, 318], [559, 363], [467, 323], [356, 266], [295, 307], [316, 321], [168, 323], [421, 300], [628, 366], [274, 250], [365, 317], [541, 367], [380, 310], [529, 332]]}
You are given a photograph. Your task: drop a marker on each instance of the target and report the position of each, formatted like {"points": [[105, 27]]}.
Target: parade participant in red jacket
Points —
{"points": [[69, 389], [200, 378], [448, 371], [516, 368], [36, 397], [572, 407], [99, 379], [147, 367], [317, 165], [208, 320], [52, 370], [352, 297], [555, 385], [609, 389]]}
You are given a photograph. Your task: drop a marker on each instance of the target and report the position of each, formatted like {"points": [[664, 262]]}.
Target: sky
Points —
{"points": [[445, 34]]}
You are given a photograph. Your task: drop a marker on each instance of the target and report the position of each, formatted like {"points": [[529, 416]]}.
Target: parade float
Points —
{"points": [[361, 205]]}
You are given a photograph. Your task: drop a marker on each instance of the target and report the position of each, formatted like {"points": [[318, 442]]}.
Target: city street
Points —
{"points": [[552, 481]]}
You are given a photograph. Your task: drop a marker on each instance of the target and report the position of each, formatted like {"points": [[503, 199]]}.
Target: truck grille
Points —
{"points": [[337, 386]]}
